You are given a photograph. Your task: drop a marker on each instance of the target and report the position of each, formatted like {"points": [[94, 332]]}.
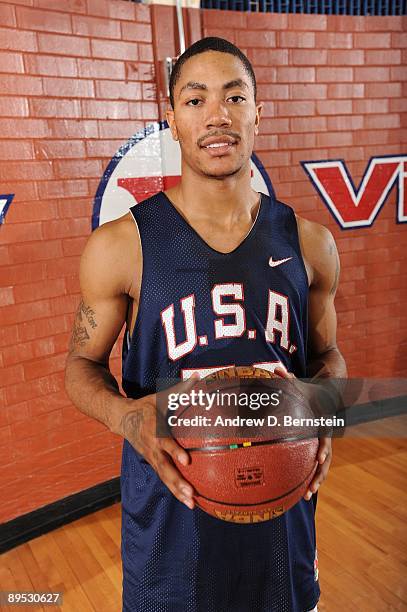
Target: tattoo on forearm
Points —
{"points": [[84, 315]]}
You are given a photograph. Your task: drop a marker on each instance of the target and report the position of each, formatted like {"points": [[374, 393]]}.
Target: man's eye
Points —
{"points": [[236, 99], [193, 102]]}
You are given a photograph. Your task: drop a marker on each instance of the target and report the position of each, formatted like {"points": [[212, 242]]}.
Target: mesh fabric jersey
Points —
{"points": [[175, 559]]}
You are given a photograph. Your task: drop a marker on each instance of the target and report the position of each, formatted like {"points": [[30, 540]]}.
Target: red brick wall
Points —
{"points": [[332, 88], [75, 84], [77, 81]]}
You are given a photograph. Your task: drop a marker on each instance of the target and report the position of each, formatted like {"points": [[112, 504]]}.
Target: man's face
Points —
{"points": [[215, 116]]}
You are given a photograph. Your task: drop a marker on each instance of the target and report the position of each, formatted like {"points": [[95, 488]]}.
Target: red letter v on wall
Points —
{"points": [[359, 207]]}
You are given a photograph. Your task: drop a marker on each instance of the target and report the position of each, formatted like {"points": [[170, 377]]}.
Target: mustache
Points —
{"points": [[217, 133]]}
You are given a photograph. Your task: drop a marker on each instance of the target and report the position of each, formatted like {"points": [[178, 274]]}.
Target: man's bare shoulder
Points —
{"points": [[113, 251], [114, 232], [313, 231]]}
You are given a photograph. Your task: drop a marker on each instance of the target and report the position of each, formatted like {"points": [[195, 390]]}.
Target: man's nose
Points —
{"points": [[218, 115]]}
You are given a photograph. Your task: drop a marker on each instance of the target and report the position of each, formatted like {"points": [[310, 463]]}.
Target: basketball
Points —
{"points": [[246, 465]]}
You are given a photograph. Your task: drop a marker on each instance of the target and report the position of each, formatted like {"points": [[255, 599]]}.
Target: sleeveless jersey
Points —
{"points": [[200, 309]]}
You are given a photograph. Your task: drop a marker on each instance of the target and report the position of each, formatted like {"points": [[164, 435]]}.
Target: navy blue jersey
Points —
{"points": [[202, 310]]}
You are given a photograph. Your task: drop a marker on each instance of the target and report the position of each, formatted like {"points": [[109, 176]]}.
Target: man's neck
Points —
{"points": [[203, 197]]}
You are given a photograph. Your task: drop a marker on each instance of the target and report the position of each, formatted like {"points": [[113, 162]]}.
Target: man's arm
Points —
{"points": [[325, 360], [107, 270], [99, 318]]}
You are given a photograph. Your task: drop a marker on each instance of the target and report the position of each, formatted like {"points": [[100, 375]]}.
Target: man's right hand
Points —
{"points": [[139, 425]]}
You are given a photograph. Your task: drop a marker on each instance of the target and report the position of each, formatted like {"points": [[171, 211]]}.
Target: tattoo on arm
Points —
{"points": [[132, 424], [84, 315], [89, 314]]}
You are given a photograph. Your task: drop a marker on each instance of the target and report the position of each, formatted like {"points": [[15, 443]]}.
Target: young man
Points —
{"points": [[206, 275]]}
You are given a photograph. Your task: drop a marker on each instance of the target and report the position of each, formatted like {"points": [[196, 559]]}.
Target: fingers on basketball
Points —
{"points": [[172, 478], [176, 452], [282, 371]]}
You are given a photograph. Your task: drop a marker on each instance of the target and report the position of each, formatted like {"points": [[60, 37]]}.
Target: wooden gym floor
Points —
{"points": [[361, 518]]}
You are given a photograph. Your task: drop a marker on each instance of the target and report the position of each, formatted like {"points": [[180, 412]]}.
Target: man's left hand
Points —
{"points": [[324, 458], [324, 455]]}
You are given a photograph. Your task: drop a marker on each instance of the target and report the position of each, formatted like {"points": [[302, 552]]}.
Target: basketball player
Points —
{"points": [[205, 275]]}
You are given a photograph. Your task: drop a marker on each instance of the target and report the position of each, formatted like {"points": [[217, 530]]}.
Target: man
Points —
{"points": [[206, 275]]}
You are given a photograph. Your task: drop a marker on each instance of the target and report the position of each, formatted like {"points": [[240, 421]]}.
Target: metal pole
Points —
{"points": [[180, 27]]}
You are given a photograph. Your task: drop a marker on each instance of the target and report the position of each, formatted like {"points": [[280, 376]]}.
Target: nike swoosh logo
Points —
{"points": [[278, 262]]}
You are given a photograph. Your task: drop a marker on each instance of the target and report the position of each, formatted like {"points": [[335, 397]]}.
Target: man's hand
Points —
{"points": [[139, 426], [324, 458], [324, 455]]}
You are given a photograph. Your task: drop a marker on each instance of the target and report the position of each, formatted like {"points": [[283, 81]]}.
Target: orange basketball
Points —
{"points": [[254, 468]]}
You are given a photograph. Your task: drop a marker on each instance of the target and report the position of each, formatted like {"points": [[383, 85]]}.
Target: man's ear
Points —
{"points": [[169, 115], [259, 108]]}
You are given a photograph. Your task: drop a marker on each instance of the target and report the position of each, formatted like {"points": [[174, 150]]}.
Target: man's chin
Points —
{"points": [[221, 173]]}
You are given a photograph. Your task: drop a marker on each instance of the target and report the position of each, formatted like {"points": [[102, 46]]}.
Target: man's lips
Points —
{"points": [[217, 146], [214, 142], [219, 150]]}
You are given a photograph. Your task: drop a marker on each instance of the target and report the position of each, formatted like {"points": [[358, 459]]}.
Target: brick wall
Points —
{"points": [[333, 88], [77, 81], [75, 84]]}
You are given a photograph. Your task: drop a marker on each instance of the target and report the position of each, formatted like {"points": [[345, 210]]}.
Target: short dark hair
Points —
{"points": [[211, 43]]}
